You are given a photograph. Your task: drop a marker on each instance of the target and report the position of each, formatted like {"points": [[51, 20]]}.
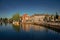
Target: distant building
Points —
{"points": [[49, 18], [25, 18], [52, 18], [38, 18]]}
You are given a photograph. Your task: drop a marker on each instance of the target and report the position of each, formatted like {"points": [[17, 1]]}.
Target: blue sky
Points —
{"points": [[10, 7]]}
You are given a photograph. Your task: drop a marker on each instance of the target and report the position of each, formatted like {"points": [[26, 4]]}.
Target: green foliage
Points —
{"points": [[57, 15], [16, 17]]}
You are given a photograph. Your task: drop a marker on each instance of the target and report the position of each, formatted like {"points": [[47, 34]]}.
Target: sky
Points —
{"points": [[11, 7]]}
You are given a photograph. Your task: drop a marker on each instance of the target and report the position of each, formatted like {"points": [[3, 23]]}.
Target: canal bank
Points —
{"points": [[50, 25]]}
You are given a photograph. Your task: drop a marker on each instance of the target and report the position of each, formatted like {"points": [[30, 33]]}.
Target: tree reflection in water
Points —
{"points": [[5, 24], [16, 27], [1, 24]]}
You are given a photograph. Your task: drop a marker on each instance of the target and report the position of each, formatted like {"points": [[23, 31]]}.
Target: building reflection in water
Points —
{"points": [[38, 28], [28, 27], [25, 27]]}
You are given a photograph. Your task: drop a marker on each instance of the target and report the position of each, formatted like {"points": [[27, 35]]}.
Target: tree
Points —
{"points": [[45, 19], [10, 20], [0, 19], [16, 17], [57, 15]]}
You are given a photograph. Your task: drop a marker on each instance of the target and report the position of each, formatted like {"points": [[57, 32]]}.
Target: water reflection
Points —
{"points": [[27, 31], [16, 27], [5, 24], [28, 28], [1, 24], [38, 28], [25, 27]]}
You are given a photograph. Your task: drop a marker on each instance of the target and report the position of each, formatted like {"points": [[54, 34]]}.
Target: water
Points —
{"points": [[27, 32]]}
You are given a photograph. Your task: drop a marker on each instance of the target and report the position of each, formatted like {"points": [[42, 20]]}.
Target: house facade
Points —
{"points": [[38, 18], [25, 18]]}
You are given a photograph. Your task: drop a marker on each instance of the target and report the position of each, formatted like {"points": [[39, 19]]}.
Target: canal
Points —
{"points": [[27, 32]]}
